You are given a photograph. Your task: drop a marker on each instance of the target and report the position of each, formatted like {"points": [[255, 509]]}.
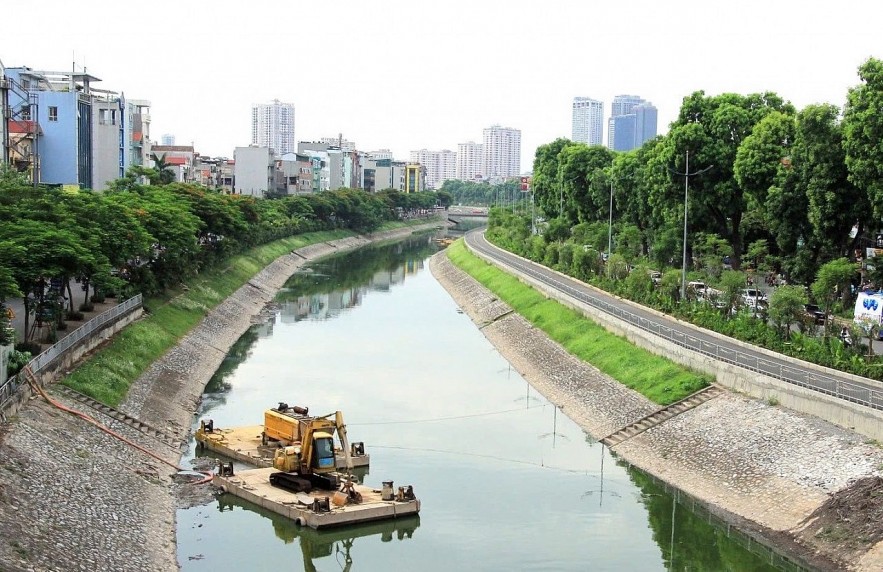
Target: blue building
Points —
{"points": [[62, 131], [632, 122]]}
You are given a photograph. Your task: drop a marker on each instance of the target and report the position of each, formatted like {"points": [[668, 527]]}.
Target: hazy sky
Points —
{"points": [[408, 75]]}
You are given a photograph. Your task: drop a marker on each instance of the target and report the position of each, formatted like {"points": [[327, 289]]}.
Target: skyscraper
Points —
{"points": [[645, 123], [501, 156], [632, 122], [588, 120], [623, 104], [272, 125]]}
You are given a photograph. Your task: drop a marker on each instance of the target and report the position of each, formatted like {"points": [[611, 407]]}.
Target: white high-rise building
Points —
{"points": [[167, 140], [588, 120], [272, 125], [440, 166], [501, 156], [469, 157]]}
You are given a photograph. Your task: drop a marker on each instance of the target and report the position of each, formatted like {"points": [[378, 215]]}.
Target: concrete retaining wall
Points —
{"points": [[66, 361], [861, 419]]}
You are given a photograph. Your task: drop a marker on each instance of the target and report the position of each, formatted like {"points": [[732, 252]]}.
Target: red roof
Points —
{"points": [[176, 161], [23, 126]]}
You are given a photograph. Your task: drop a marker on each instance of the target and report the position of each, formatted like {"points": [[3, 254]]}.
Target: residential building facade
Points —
{"points": [[272, 125], [469, 158], [60, 130], [440, 166], [587, 121], [414, 178], [501, 153], [294, 174]]}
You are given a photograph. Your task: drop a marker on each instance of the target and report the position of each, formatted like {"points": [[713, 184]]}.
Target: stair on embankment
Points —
{"points": [[662, 415]]}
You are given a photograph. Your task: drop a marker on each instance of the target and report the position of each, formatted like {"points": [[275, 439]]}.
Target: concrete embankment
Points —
{"points": [[73, 498], [763, 468]]}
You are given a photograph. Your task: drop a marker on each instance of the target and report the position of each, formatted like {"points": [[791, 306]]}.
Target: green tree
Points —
{"points": [[546, 180], [731, 285], [163, 173], [786, 307], [863, 131], [832, 279], [712, 129]]}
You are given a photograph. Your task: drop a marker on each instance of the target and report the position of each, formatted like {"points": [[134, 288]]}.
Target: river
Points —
{"points": [[506, 480]]}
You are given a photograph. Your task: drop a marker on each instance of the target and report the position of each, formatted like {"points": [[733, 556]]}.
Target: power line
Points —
{"points": [[486, 414]]}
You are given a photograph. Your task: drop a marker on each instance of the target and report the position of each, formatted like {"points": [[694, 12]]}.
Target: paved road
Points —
{"points": [[867, 392]]}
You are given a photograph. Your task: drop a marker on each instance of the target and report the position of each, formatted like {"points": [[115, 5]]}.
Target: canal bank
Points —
{"points": [[771, 472], [73, 498]]}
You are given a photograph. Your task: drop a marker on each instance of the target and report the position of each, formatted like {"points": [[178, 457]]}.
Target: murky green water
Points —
{"points": [[507, 482]]}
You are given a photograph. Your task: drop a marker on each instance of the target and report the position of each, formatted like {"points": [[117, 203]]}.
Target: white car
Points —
{"points": [[751, 297]]}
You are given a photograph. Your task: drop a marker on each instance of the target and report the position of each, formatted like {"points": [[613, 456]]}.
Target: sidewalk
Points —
{"points": [[17, 306]]}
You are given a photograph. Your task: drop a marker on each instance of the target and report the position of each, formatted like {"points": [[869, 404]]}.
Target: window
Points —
{"points": [[53, 113], [26, 112], [107, 116]]}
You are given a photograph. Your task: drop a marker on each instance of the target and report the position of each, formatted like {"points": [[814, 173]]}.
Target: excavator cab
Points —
{"points": [[323, 452]]}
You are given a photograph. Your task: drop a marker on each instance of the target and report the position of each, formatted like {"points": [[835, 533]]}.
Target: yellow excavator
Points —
{"points": [[306, 458]]}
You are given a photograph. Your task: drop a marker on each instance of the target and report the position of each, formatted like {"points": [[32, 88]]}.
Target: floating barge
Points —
{"points": [[244, 444], [319, 508]]}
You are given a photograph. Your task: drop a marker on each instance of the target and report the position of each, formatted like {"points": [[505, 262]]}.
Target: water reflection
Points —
{"points": [[691, 538], [326, 288], [341, 543]]}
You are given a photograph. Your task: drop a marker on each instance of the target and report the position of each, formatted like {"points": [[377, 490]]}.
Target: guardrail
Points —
{"points": [[839, 388], [56, 350]]}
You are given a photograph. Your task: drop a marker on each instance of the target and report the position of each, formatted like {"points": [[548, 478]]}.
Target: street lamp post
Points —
{"points": [[687, 174], [684, 263], [610, 224]]}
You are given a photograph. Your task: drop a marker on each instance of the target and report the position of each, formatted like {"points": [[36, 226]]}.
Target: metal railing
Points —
{"points": [[58, 349], [839, 388]]}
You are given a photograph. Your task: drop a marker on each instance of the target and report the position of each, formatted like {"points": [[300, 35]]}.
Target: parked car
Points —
{"points": [[656, 277], [814, 313], [753, 294]]}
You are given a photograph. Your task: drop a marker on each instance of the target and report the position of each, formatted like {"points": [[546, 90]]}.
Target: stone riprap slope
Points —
{"points": [[762, 467]]}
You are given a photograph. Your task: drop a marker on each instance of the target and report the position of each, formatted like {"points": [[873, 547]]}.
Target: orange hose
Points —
{"points": [[36, 387]]}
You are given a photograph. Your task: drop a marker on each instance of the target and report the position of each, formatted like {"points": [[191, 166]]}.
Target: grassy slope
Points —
{"points": [[655, 377]]}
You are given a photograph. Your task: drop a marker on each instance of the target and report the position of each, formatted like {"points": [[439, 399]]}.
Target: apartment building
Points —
{"points": [[501, 153], [272, 125], [587, 121], [440, 166], [469, 161]]}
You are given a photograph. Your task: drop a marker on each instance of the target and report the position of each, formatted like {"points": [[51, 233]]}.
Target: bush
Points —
{"points": [[17, 360], [75, 316], [97, 298], [61, 326], [86, 307]]}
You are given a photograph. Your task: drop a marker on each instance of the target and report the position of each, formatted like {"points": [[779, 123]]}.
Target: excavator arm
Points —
{"points": [[344, 442]]}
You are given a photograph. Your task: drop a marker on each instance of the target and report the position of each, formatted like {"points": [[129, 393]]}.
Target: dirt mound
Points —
{"points": [[850, 522]]}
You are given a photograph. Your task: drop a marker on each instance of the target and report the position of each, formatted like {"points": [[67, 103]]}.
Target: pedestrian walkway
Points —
{"points": [[18, 322]]}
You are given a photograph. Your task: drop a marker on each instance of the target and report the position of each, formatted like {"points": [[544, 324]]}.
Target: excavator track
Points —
{"points": [[117, 415]]}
